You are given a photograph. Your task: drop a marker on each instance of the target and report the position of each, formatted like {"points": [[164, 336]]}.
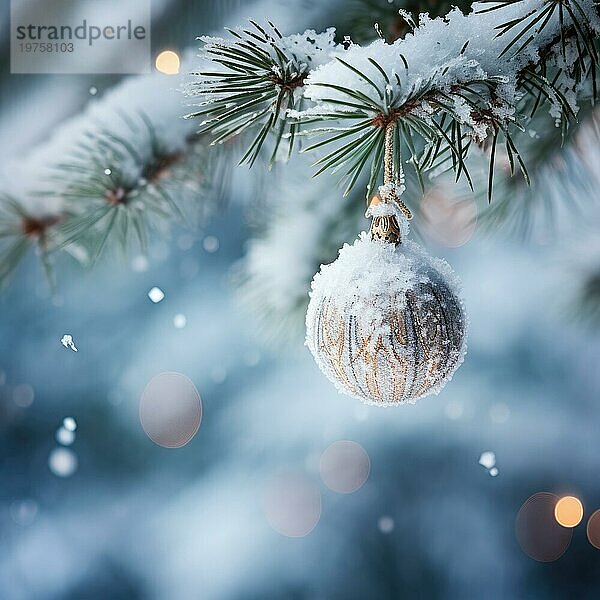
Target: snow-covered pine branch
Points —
{"points": [[252, 79], [453, 83], [304, 227], [391, 19], [457, 80], [128, 163]]}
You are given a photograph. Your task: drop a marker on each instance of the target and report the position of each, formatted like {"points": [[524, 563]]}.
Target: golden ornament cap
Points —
{"points": [[385, 213]]}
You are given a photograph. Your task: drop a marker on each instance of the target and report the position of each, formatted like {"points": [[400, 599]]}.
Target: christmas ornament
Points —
{"points": [[385, 322]]}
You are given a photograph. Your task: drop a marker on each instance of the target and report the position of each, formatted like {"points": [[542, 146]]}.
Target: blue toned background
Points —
{"points": [[135, 520]]}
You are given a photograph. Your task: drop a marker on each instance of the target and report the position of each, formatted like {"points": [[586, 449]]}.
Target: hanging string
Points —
{"points": [[391, 179], [388, 155]]}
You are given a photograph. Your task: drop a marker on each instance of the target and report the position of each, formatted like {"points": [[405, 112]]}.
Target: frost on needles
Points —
{"points": [[448, 86]]}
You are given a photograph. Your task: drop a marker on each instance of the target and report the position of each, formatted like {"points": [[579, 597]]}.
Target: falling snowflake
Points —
{"points": [[156, 295], [67, 342], [487, 460], [69, 424]]}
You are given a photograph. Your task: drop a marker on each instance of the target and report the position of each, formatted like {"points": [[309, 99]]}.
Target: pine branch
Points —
{"points": [[114, 174], [114, 191], [251, 80], [446, 92], [440, 110], [20, 232], [589, 298], [129, 163], [562, 178], [389, 19], [313, 224]]}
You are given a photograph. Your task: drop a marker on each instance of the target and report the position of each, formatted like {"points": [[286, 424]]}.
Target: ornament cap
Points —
{"points": [[386, 217], [385, 228]]}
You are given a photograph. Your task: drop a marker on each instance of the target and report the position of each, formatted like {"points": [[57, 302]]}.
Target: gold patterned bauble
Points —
{"points": [[385, 322]]}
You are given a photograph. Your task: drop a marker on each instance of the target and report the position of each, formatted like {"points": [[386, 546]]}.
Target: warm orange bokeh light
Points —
{"points": [[168, 62], [568, 511]]}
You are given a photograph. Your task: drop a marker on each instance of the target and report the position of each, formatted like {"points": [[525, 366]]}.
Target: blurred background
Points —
{"points": [[287, 489]]}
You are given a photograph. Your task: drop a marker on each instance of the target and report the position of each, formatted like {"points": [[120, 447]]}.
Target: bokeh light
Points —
{"points": [[62, 462], [170, 410], [139, 263], [448, 221], [210, 244], [23, 395], [168, 62], [537, 531], [593, 529], [386, 524], [65, 436], [218, 374], [186, 241], [454, 410], [568, 511], [179, 321], [345, 466], [24, 512], [499, 413], [292, 504]]}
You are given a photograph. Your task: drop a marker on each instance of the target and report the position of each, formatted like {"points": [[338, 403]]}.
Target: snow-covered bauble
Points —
{"points": [[385, 322]]}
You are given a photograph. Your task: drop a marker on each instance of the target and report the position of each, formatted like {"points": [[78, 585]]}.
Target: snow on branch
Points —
{"points": [[128, 163], [492, 43], [253, 78], [449, 85], [455, 81]]}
